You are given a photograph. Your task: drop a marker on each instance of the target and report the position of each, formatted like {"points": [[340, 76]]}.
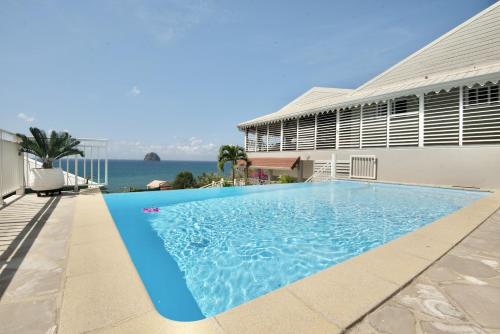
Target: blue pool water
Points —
{"points": [[208, 250]]}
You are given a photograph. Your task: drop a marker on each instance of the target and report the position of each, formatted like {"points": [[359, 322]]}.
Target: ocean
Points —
{"points": [[123, 174]]}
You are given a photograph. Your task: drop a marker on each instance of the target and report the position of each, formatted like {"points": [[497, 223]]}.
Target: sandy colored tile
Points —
{"points": [[391, 264], [420, 245], [95, 257], [100, 299], [154, 323], [343, 293], [277, 312], [100, 231]]}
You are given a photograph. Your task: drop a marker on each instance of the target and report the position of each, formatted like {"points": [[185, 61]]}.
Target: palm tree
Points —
{"points": [[49, 149], [231, 153]]}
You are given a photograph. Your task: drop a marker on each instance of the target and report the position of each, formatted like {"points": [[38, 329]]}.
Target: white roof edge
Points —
{"points": [[434, 42], [481, 79]]}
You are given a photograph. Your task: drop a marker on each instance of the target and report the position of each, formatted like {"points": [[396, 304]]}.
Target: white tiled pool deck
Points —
{"points": [[414, 284]]}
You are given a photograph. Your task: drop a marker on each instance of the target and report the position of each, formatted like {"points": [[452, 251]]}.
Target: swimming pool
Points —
{"points": [[208, 250]]}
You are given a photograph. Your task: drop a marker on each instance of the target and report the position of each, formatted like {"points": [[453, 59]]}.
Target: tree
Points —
{"points": [[184, 180], [49, 149], [231, 153]]}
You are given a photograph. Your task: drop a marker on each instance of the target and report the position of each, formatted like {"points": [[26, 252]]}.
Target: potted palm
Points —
{"points": [[48, 149], [231, 153]]}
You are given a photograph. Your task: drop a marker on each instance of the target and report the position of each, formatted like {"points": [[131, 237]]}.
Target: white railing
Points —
{"points": [[215, 184], [322, 171], [91, 169], [11, 165], [15, 168], [363, 167]]}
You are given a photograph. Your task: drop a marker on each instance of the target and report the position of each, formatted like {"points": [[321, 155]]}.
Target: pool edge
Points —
{"points": [[104, 293]]}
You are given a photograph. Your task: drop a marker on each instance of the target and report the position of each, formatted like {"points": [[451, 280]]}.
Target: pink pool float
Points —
{"points": [[150, 210]]}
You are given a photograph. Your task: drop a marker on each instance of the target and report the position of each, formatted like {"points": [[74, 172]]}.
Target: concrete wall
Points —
{"points": [[458, 166]]}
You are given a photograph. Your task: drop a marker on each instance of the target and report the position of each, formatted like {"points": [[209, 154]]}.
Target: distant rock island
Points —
{"points": [[152, 156]]}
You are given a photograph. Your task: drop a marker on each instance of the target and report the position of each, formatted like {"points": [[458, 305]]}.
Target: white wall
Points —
{"points": [[459, 166]]}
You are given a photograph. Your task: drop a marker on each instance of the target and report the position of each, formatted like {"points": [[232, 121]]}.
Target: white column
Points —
{"points": [[256, 141], [281, 136], [337, 130], [461, 116], [245, 140], [297, 141], [421, 105], [267, 138], [361, 127], [389, 107], [315, 129]]}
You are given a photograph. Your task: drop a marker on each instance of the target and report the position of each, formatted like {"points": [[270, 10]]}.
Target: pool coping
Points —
{"points": [[103, 292]]}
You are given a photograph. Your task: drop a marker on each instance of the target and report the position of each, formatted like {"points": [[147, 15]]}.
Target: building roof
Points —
{"points": [[156, 184], [468, 54]]}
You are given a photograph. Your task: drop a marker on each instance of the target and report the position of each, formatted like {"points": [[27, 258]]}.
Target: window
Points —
{"points": [[400, 107], [494, 94], [487, 94]]}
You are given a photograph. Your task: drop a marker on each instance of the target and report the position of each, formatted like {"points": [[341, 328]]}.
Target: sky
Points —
{"points": [[176, 76]]}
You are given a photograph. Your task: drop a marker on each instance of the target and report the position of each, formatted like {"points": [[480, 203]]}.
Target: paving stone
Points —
{"points": [[392, 320], [467, 267], [429, 300], [441, 274], [435, 327], [481, 302], [30, 317]]}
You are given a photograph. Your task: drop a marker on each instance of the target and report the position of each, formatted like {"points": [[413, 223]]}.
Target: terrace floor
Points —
{"points": [[460, 293], [64, 269]]}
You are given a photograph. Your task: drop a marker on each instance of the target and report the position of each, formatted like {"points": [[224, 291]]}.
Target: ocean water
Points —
{"points": [[208, 250], [138, 173], [123, 174]]}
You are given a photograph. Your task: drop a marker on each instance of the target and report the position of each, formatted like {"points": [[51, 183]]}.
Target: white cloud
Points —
{"points": [[135, 91], [183, 149], [26, 117]]}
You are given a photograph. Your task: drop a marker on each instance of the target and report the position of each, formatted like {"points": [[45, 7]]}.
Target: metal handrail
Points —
{"points": [[321, 170]]}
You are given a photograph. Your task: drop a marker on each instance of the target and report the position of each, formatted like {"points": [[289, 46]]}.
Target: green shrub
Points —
{"points": [[207, 178], [287, 179], [184, 180]]}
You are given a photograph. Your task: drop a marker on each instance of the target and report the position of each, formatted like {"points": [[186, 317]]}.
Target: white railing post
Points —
{"points": [[99, 166], [75, 188], [91, 165], [332, 172], [421, 106], [461, 116], [106, 165]]}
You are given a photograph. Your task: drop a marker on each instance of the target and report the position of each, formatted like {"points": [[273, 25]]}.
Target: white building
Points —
{"points": [[433, 118]]}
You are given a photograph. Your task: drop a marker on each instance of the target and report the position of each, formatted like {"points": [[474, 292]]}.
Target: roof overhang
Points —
{"points": [[272, 163], [429, 85]]}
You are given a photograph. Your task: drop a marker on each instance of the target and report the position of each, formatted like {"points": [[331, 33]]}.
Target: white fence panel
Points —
{"points": [[363, 167], [11, 164]]}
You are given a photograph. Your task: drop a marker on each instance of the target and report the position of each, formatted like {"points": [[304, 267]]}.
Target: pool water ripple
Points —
{"points": [[232, 249]]}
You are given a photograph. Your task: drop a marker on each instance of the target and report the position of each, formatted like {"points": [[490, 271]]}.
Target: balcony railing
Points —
{"points": [[15, 169]]}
